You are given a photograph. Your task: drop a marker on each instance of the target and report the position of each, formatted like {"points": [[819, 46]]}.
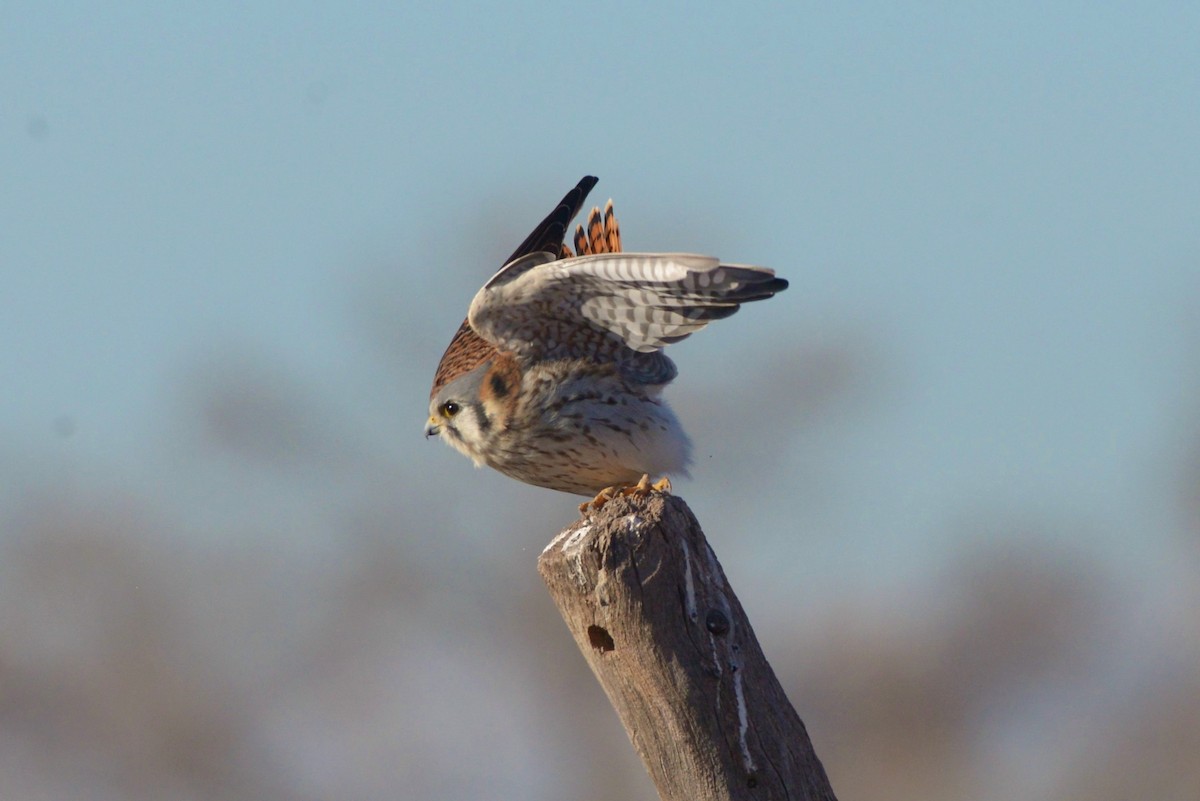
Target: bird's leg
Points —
{"points": [[602, 497], [640, 490]]}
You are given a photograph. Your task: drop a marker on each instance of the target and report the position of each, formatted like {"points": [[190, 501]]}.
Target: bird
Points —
{"points": [[556, 376]]}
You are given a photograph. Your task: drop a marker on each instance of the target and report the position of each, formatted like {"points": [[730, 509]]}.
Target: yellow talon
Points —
{"points": [[641, 489], [602, 497]]}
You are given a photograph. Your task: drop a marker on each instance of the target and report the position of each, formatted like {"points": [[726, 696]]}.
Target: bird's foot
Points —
{"points": [[639, 490]]}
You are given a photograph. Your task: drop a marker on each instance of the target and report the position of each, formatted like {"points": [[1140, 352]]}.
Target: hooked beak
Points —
{"points": [[432, 429]]}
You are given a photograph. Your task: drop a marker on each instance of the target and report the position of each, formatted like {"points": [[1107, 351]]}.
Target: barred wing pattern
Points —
{"points": [[612, 306]]}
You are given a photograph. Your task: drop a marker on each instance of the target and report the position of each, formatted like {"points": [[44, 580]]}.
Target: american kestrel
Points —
{"points": [[555, 378]]}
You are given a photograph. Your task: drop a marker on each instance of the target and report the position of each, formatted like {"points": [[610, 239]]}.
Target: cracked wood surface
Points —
{"points": [[650, 608]]}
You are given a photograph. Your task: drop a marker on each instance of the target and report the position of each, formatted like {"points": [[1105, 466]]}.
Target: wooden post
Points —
{"points": [[650, 609]]}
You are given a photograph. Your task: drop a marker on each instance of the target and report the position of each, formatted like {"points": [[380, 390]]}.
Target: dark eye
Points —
{"points": [[450, 408]]}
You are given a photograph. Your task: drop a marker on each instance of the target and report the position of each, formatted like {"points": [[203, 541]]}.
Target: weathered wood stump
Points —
{"points": [[650, 609]]}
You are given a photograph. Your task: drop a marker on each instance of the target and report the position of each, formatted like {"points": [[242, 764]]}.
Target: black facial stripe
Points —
{"points": [[485, 422], [499, 386]]}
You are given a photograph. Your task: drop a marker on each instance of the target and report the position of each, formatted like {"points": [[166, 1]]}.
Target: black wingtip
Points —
{"points": [[753, 284], [548, 236]]}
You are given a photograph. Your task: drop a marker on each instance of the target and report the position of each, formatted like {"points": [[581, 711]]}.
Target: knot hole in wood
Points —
{"points": [[600, 639]]}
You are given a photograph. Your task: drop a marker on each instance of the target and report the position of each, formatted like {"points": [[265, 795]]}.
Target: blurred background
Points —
{"points": [[953, 473]]}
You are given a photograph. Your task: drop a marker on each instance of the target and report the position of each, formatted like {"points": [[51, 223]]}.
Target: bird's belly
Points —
{"points": [[585, 442]]}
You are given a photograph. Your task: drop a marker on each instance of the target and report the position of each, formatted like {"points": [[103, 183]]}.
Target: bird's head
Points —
{"points": [[471, 410], [457, 415]]}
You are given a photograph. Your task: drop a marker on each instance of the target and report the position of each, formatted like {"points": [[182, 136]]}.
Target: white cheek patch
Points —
{"points": [[465, 436]]}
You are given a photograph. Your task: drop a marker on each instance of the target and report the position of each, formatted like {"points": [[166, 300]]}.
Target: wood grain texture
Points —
{"points": [[650, 608]]}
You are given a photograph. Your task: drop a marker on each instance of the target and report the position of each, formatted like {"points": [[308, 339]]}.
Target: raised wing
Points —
{"points": [[467, 350], [549, 234], [609, 306]]}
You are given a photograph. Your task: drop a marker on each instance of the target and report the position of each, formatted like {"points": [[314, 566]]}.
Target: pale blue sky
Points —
{"points": [[998, 205]]}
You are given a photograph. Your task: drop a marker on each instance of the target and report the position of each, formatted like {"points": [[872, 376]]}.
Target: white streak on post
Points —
{"points": [[689, 584], [573, 550], [743, 722], [735, 666], [714, 569], [562, 535]]}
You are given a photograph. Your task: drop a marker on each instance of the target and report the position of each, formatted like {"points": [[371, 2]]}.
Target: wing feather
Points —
{"points": [[611, 306], [467, 350], [548, 236]]}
